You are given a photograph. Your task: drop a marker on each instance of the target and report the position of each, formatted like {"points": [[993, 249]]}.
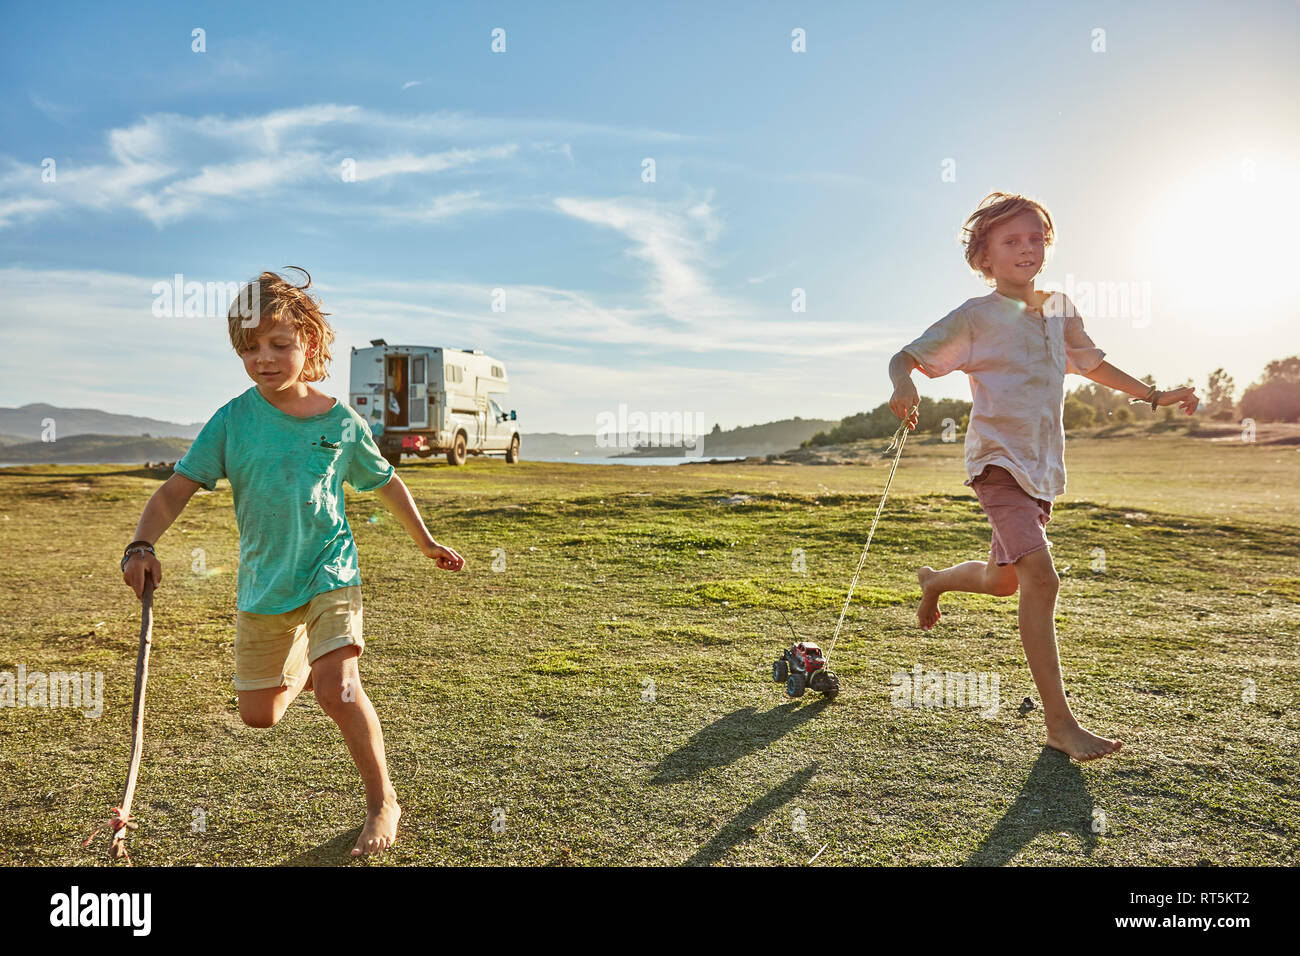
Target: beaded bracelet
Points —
{"points": [[136, 547]]}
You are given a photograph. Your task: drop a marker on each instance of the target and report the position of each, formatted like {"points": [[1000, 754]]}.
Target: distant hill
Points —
{"points": [[160, 446], [91, 435], [744, 441], [95, 449], [26, 423]]}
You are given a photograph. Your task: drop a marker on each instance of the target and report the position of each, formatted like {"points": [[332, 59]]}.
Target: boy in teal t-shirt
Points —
{"points": [[286, 473], [287, 448]]}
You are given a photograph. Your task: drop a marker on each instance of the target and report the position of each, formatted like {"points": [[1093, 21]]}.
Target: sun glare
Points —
{"points": [[1223, 244]]}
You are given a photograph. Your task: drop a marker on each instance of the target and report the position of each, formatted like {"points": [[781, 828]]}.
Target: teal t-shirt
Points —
{"points": [[287, 477]]}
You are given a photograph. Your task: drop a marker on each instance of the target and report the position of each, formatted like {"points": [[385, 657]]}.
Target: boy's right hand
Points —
{"points": [[142, 566], [905, 400]]}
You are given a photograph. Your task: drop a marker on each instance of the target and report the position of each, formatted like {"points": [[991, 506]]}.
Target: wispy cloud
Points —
{"points": [[54, 111], [671, 241], [169, 167], [569, 353], [568, 319], [446, 206], [16, 210], [429, 162], [560, 149], [245, 180]]}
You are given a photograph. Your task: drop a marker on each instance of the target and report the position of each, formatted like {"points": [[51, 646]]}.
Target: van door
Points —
{"points": [[419, 413], [396, 391], [498, 427], [481, 420]]}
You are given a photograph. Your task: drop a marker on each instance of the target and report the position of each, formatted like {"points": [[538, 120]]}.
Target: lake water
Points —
{"points": [[576, 459], [674, 460]]}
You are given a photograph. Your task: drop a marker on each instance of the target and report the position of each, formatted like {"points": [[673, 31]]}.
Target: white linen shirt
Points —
{"points": [[1017, 360]]}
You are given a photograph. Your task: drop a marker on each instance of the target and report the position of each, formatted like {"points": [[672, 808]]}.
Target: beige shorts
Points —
{"points": [[274, 650]]}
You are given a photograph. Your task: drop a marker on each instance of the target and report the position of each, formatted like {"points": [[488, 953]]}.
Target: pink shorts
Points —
{"points": [[1019, 521]]}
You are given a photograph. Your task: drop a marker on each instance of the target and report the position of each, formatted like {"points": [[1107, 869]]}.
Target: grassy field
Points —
{"points": [[605, 696]]}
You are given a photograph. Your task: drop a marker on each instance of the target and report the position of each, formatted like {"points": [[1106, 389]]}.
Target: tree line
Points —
{"points": [[1274, 397], [880, 422]]}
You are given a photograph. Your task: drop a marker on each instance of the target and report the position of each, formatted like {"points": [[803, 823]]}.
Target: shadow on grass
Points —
{"points": [[1054, 799], [334, 852], [731, 737], [741, 825]]}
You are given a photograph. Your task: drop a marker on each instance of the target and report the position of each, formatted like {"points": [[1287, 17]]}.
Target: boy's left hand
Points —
{"points": [[447, 559], [1184, 397]]}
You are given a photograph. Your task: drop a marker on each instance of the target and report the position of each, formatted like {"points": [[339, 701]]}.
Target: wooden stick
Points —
{"points": [[123, 822]]}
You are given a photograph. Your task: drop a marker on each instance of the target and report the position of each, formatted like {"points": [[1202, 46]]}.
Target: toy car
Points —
{"points": [[801, 667]]}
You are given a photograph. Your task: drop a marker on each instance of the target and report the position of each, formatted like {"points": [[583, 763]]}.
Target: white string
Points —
{"points": [[899, 440]]}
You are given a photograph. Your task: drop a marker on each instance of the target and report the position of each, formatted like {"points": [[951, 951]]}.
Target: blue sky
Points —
{"points": [[1167, 149]]}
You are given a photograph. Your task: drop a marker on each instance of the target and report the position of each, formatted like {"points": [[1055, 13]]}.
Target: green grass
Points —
{"points": [[610, 689]]}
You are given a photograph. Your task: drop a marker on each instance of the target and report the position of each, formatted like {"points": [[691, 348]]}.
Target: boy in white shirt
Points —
{"points": [[1016, 345]]}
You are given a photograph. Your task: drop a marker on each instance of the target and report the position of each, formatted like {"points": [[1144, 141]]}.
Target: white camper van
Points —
{"points": [[420, 399]]}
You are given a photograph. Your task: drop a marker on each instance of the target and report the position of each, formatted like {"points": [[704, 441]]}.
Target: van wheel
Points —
{"points": [[392, 459], [512, 453], [456, 454]]}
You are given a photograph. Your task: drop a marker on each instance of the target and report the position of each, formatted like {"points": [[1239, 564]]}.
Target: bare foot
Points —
{"points": [[927, 614], [380, 829], [1081, 744]]}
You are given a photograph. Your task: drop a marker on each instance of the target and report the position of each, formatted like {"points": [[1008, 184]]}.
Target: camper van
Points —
{"points": [[419, 400]]}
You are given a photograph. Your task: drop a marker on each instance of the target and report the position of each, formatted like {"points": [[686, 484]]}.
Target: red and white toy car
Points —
{"points": [[802, 667]]}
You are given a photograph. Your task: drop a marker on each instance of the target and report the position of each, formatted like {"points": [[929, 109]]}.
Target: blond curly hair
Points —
{"points": [[271, 296], [996, 208]]}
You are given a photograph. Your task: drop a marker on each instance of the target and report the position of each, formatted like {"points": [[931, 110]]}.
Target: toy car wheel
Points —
{"points": [[780, 670], [828, 686], [796, 685]]}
